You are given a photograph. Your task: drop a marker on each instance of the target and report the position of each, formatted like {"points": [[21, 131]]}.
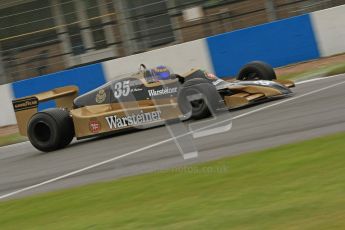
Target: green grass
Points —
{"points": [[11, 139], [297, 186], [338, 69], [322, 71]]}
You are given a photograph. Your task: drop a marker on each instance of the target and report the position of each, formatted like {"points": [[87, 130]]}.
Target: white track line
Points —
{"points": [[289, 99], [157, 144], [318, 79], [14, 145]]}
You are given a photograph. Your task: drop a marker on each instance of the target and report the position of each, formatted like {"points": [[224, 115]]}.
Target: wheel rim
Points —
{"points": [[197, 104], [42, 132], [251, 76]]}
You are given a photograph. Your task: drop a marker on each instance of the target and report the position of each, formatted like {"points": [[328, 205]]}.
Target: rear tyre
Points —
{"points": [[198, 108], [50, 130], [256, 70]]}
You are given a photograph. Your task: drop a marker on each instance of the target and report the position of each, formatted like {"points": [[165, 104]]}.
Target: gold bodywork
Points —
{"points": [[246, 94]]}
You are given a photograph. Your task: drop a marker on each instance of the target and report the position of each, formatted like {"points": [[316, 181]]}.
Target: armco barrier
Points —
{"points": [[278, 43], [86, 78], [329, 27]]}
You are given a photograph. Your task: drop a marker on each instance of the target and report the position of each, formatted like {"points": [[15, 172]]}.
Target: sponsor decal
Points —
{"points": [[163, 91], [94, 126], [210, 76], [101, 96], [136, 90], [27, 103], [217, 82], [116, 122]]}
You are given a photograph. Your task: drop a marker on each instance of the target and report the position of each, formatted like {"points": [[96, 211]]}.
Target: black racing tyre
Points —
{"points": [[198, 108], [50, 129], [256, 70]]}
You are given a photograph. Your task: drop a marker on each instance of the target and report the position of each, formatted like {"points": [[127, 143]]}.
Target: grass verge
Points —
{"points": [[322, 71], [297, 186], [11, 139]]}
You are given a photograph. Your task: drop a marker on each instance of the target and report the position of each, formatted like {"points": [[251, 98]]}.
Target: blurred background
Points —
{"points": [[44, 36]]}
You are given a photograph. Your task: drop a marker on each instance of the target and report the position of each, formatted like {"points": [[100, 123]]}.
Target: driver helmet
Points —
{"points": [[162, 73]]}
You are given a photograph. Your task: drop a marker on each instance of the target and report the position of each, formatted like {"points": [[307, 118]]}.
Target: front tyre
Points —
{"points": [[50, 130], [256, 70]]}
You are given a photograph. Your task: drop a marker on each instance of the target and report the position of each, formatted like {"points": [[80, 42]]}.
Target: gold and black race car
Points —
{"points": [[146, 98]]}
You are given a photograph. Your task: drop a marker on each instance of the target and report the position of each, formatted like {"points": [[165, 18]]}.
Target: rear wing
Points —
{"points": [[26, 107]]}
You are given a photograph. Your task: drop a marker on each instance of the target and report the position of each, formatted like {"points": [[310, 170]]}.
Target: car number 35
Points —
{"points": [[121, 88]]}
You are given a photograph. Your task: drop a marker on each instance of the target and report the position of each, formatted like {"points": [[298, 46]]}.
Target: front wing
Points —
{"points": [[244, 95]]}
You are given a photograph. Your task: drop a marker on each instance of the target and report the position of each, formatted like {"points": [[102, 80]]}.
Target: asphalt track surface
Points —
{"points": [[316, 109]]}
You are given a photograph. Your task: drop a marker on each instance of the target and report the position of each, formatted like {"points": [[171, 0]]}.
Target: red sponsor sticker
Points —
{"points": [[211, 76], [94, 126]]}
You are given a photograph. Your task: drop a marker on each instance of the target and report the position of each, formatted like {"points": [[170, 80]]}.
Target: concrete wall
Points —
{"points": [[329, 27], [279, 43], [7, 116], [181, 58]]}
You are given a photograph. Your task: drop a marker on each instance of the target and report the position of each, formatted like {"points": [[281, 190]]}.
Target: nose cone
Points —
{"points": [[283, 89]]}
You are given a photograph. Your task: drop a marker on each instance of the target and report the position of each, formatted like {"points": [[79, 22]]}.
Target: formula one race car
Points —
{"points": [[144, 99]]}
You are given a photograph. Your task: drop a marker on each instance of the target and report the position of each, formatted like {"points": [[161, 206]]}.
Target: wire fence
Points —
{"points": [[39, 36]]}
